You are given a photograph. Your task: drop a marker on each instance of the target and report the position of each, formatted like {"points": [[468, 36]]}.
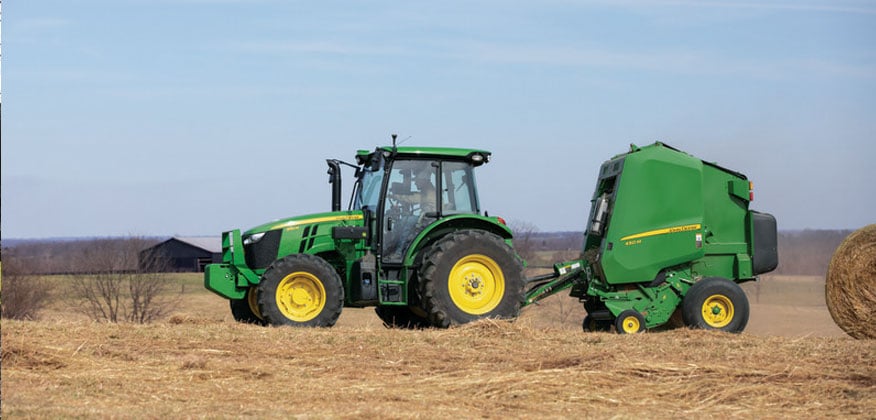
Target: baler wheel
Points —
{"points": [[470, 275], [629, 322], [301, 290], [715, 304], [595, 325], [247, 310]]}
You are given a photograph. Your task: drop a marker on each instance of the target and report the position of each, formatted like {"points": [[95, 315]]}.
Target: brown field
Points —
{"points": [[792, 361]]}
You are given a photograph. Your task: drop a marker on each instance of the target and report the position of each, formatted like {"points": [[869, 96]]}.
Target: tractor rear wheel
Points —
{"points": [[402, 317], [301, 290], [715, 304], [470, 275], [246, 310]]}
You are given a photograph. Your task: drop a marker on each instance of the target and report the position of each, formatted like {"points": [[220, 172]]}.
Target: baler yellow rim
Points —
{"points": [[631, 324], [718, 311]]}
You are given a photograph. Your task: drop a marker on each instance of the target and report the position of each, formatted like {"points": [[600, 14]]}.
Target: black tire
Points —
{"points": [[629, 322], [470, 275], [402, 317], [591, 324], [301, 290], [246, 310], [715, 304]]}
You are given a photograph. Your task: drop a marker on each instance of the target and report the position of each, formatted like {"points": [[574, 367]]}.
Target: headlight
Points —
{"points": [[254, 238]]}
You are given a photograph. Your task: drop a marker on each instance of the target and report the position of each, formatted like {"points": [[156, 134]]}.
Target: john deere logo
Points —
{"points": [[664, 231]]}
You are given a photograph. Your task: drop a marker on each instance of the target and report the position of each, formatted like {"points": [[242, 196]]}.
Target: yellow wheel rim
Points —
{"points": [[252, 300], [300, 296], [717, 311], [476, 284], [631, 325]]}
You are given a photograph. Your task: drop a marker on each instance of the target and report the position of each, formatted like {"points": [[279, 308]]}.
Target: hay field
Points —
{"points": [[199, 363]]}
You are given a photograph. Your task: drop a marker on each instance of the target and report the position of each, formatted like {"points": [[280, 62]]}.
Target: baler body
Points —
{"points": [[666, 208], [662, 221]]}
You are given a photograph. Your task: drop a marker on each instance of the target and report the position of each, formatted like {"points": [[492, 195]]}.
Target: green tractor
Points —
{"points": [[413, 243]]}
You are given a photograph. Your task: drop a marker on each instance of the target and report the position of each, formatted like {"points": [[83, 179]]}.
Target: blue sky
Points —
{"points": [[190, 117]]}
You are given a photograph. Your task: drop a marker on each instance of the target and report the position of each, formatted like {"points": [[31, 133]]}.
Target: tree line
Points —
{"points": [[110, 282]]}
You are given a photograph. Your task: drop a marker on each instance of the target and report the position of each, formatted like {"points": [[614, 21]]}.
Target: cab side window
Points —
{"points": [[458, 195]]}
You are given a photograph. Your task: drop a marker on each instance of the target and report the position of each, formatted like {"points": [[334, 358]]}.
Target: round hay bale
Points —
{"points": [[850, 287]]}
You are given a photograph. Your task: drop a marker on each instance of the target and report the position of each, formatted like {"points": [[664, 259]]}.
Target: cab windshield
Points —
{"points": [[366, 195]]}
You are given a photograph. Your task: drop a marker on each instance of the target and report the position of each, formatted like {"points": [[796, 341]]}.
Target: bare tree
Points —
{"points": [[148, 293], [25, 294], [524, 240], [565, 308], [119, 286]]}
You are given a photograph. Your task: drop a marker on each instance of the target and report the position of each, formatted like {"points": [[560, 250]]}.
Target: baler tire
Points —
{"points": [[715, 303], [301, 290], [401, 317], [595, 325], [246, 310], [629, 322], [470, 275]]}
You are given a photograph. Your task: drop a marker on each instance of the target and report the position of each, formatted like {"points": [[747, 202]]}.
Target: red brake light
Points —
{"points": [[502, 221]]}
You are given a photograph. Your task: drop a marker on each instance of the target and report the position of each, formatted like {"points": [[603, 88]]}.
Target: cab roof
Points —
{"points": [[451, 153]]}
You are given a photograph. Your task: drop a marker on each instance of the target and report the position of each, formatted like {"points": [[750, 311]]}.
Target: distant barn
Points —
{"points": [[182, 254]]}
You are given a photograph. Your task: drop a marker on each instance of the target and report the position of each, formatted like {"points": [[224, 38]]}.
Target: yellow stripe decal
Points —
{"points": [[322, 219], [685, 228]]}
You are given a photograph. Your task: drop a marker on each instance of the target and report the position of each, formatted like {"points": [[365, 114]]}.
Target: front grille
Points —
{"points": [[262, 253]]}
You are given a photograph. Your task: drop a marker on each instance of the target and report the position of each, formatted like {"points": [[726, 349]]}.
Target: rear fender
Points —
{"points": [[455, 223]]}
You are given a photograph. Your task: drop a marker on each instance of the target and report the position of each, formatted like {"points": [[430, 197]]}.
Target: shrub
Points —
{"points": [[119, 287], [24, 295]]}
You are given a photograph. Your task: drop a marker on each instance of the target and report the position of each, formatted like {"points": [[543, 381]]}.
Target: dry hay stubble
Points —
{"points": [[485, 369], [850, 287]]}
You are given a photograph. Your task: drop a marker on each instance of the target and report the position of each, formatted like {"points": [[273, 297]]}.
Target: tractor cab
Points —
{"points": [[403, 190]]}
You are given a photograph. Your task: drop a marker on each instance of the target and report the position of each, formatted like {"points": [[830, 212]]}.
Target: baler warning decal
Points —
{"points": [[675, 229]]}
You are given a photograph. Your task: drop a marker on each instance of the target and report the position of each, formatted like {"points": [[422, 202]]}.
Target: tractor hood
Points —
{"points": [[308, 234], [338, 217]]}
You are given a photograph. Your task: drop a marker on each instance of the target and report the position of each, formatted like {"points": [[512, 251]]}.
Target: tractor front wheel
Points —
{"points": [[715, 304], [301, 290], [470, 275], [246, 310]]}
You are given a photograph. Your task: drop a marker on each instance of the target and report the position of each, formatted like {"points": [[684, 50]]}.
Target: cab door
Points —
{"points": [[410, 204]]}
